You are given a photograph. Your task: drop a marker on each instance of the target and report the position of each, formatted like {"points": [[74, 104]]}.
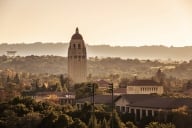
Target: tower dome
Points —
{"points": [[77, 36]]}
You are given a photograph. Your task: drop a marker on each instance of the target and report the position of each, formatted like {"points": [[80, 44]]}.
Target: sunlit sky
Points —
{"points": [[114, 22]]}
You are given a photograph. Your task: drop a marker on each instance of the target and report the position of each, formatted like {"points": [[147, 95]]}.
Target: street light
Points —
{"points": [[92, 87], [112, 118]]}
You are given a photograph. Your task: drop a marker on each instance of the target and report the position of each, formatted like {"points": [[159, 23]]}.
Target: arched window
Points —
{"points": [[79, 46]]}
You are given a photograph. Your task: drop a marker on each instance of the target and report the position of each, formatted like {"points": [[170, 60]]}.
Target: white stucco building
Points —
{"points": [[143, 105], [149, 105], [144, 86]]}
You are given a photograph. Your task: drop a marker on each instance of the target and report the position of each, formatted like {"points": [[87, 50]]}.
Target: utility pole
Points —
{"points": [[112, 119], [92, 87]]}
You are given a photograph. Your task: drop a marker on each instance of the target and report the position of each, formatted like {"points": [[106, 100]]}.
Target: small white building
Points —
{"points": [[56, 97], [11, 53], [145, 86]]}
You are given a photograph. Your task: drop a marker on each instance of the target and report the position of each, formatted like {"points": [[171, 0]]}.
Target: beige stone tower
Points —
{"points": [[77, 58]]}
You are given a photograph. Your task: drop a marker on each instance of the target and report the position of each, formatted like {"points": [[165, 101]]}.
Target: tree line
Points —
{"points": [[25, 112]]}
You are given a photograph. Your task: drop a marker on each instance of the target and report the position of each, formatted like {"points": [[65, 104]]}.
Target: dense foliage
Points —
{"points": [[27, 113]]}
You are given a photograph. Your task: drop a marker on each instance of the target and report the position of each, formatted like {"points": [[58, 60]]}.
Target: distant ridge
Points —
{"points": [[142, 52]]}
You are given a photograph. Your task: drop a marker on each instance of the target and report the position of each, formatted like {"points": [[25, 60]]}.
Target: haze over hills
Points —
{"points": [[142, 52]]}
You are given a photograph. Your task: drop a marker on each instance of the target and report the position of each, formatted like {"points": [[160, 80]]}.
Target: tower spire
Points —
{"points": [[77, 30]]}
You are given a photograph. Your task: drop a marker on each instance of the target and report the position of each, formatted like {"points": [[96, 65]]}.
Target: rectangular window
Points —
{"points": [[155, 113], [132, 111], [79, 46], [123, 109], [137, 114], [143, 113], [150, 113], [127, 109]]}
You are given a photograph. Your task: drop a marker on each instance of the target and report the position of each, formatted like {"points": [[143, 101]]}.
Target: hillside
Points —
{"points": [[143, 52], [97, 67]]}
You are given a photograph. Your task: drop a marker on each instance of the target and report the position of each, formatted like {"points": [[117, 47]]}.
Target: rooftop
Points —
{"points": [[144, 82], [99, 99], [77, 36], [155, 101], [143, 101]]}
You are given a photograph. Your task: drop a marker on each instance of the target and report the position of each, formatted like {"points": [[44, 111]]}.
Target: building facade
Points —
{"points": [[141, 106], [145, 86], [149, 105], [77, 59]]}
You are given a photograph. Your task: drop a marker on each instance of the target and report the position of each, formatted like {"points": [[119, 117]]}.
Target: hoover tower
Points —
{"points": [[77, 58]]}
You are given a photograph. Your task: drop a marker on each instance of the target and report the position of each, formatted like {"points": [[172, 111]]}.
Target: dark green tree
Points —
{"points": [[65, 82], [20, 109], [86, 107], [62, 81], [59, 87], [49, 121], [117, 123], [181, 120], [160, 125], [64, 121], [8, 79], [78, 124], [130, 124], [16, 79], [31, 120], [9, 120], [104, 124], [93, 122]]}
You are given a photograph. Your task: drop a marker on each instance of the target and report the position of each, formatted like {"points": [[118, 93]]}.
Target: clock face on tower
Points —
{"points": [[77, 58]]}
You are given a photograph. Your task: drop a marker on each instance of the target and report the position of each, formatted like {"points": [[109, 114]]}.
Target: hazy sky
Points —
{"points": [[114, 22]]}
